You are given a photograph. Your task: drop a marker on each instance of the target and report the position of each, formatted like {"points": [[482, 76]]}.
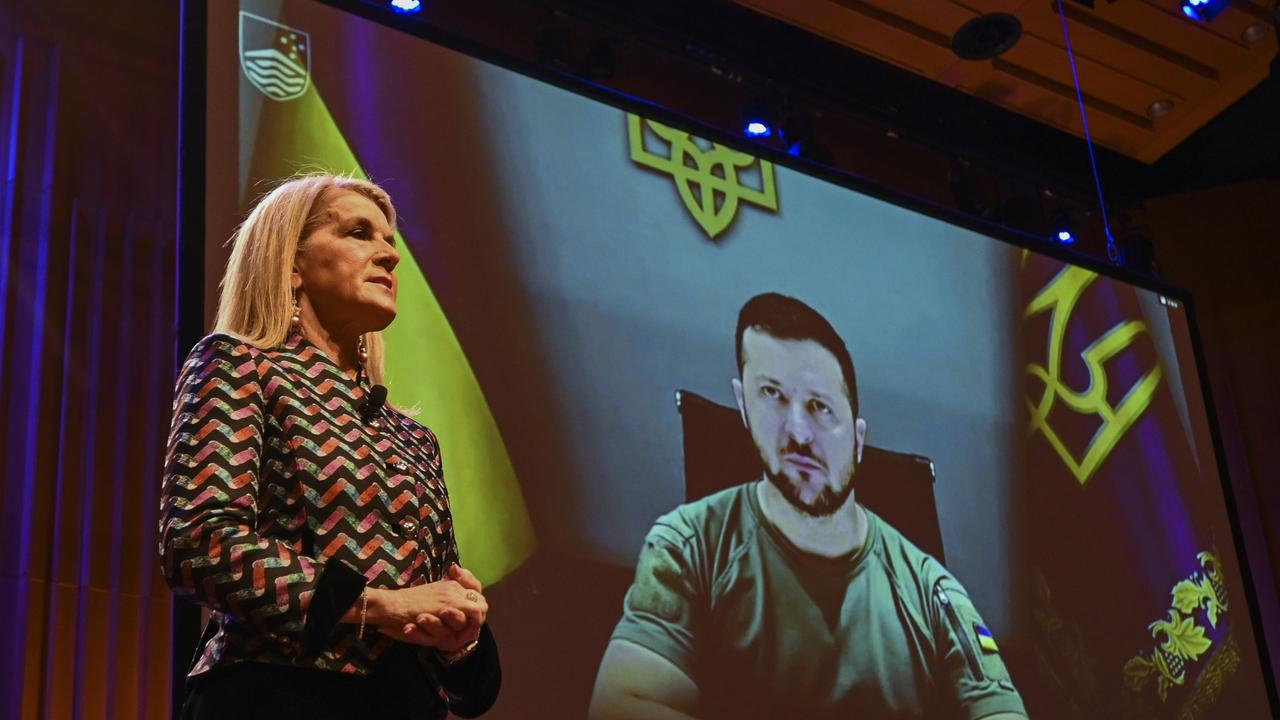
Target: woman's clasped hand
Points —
{"points": [[446, 614]]}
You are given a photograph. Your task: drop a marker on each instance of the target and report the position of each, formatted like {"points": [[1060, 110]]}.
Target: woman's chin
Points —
{"points": [[378, 316]]}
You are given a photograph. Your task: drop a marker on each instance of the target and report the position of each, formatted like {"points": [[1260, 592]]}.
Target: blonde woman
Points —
{"points": [[308, 515]]}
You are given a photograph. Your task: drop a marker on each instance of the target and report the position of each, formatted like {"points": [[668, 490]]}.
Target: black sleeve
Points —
{"points": [[338, 589], [473, 682]]}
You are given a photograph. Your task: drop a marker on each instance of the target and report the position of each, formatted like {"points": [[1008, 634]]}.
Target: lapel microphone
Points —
{"points": [[373, 402]]}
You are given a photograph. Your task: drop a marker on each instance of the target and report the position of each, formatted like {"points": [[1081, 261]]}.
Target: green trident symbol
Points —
{"points": [[1059, 299], [714, 172]]}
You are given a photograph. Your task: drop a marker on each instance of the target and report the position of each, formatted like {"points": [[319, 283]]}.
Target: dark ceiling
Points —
{"points": [[1243, 143], [740, 46]]}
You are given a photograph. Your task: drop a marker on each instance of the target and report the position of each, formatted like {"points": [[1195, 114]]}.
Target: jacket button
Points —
{"points": [[409, 527]]}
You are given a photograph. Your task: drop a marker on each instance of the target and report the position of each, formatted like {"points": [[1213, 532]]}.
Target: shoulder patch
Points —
{"points": [[986, 640]]}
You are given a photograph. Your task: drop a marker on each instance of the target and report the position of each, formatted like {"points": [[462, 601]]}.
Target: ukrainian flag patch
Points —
{"points": [[986, 640]]}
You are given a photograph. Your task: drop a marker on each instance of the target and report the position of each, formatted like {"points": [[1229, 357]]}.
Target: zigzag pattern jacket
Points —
{"points": [[278, 497]]}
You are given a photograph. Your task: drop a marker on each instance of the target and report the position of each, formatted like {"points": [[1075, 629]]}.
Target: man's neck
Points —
{"points": [[834, 535]]}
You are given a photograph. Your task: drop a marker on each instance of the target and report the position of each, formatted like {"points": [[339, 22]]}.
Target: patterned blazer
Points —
{"points": [[277, 491]]}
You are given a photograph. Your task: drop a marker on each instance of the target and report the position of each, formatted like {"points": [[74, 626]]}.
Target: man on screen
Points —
{"points": [[783, 597]]}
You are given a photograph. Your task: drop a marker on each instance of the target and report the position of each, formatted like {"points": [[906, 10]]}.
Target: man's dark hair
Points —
{"points": [[786, 318]]}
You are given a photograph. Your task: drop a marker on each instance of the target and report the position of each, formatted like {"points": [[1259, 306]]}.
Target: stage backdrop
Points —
{"points": [[568, 265]]}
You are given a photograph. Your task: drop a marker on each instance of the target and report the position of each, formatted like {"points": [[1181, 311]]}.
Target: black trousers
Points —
{"points": [[258, 691]]}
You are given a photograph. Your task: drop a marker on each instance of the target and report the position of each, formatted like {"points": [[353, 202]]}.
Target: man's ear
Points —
{"points": [[859, 436], [741, 399]]}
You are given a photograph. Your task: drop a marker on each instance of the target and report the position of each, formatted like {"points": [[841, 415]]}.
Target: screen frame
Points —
{"points": [[190, 271], [187, 618]]}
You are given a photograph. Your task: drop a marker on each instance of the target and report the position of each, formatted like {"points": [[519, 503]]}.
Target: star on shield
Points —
{"points": [[275, 58]]}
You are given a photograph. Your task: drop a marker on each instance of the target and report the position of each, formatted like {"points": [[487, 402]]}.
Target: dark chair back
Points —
{"points": [[719, 453]]}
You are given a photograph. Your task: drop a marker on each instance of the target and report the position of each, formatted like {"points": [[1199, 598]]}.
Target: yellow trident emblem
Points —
{"points": [[714, 172], [1059, 297]]}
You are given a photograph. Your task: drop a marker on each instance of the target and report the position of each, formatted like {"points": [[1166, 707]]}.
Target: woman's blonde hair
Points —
{"points": [[256, 300]]}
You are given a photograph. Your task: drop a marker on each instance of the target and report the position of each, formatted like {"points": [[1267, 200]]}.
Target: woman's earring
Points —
{"points": [[362, 351], [295, 322]]}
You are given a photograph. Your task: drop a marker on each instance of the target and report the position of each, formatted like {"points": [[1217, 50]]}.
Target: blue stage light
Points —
{"points": [[1203, 10], [1065, 237], [757, 129], [406, 6]]}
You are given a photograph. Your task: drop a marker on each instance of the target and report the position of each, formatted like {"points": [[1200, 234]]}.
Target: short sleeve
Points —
{"points": [[974, 674], [662, 605]]}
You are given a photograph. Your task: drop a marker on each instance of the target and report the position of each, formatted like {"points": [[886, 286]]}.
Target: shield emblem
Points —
{"points": [[275, 58]]}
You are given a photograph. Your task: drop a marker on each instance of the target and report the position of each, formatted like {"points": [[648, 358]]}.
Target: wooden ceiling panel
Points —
{"points": [[1129, 55], [871, 30], [942, 21], [1171, 74], [1163, 27], [1054, 103], [1104, 85]]}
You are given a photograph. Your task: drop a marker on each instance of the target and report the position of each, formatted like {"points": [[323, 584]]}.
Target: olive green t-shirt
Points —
{"points": [[767, 630]]}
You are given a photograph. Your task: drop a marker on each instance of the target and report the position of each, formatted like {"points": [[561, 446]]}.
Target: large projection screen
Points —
{"points": [[568, 266]]}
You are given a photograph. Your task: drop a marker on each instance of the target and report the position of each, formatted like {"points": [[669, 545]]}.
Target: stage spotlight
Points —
{"points": [[1203, 10], [406, 6], [1065, 224], [760, 118]]}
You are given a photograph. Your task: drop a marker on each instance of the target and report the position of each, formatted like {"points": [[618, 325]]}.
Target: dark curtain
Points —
{"points": [[88, 117]]}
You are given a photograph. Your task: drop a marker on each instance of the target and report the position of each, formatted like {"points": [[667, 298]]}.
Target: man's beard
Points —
{"points": [[825, 504]]}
